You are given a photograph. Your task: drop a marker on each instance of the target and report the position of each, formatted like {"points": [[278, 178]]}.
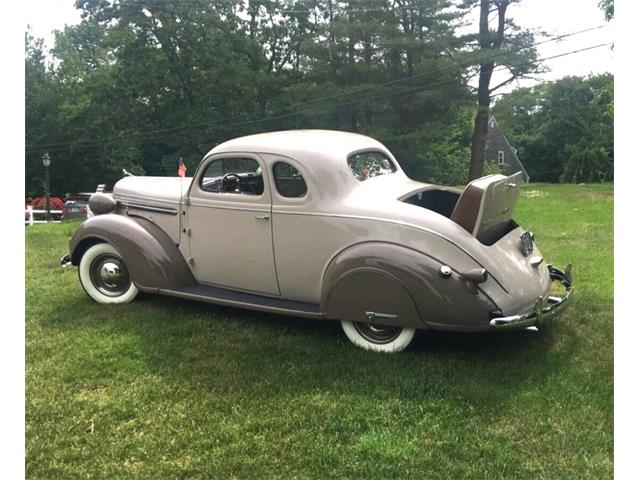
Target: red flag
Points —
{"points": [[182, 168]]}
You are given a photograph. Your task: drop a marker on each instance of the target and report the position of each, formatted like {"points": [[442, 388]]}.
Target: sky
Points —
{"points": [[555, 17]]}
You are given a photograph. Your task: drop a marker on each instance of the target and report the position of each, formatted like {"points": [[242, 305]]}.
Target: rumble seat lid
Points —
{"points": [[486, 205]]}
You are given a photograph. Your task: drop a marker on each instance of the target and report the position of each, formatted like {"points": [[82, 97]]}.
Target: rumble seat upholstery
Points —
{"points": [[467, 208]]}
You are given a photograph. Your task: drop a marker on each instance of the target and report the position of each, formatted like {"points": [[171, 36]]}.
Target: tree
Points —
{"points": [[506, 46], [386, 71], [587, 163], [563, 130], [607, 7], [141, 83], [41, 105]]}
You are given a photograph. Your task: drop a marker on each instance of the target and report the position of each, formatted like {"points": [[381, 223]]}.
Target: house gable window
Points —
{"points": [[501, 157]]}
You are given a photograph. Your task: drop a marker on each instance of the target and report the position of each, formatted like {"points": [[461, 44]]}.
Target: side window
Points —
{"points": [[289, 181], [233, 175], [370, 164]]}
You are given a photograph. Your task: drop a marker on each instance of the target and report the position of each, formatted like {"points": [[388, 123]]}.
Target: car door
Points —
{"points": [[229, 220], [304, 240]]}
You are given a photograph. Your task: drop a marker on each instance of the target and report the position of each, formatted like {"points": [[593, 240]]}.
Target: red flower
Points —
{"points": [[55, 203]]}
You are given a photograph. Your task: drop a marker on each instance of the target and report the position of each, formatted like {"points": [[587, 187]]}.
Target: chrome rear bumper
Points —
{"points": [[65, 261], [543, 310]]}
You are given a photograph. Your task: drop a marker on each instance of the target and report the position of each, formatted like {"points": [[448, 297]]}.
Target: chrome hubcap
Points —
{"points": [[110, 275], [375, 333]]}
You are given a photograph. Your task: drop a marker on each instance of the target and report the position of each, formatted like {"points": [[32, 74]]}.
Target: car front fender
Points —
{"points": [[152, 258]]}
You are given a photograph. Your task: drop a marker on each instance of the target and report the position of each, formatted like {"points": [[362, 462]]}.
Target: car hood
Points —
{"points": [[160, 190]]}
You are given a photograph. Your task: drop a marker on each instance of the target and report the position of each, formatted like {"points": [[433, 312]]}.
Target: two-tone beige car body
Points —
{"points": [[321, 224]]}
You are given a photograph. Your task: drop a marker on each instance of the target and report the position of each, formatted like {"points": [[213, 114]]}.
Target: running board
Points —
{"points": [[231, 298]]}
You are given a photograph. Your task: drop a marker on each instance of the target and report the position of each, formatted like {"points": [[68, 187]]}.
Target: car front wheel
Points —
{"points": [[379, 338], [104, 275]]}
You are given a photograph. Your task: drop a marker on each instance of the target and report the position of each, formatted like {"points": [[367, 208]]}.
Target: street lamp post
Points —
{"points": [[46, 161]]}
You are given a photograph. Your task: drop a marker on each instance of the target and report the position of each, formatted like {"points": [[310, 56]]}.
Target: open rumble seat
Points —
{"points": [[485, 207]]}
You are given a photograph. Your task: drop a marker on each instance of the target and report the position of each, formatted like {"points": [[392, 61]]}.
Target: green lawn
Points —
{"points": [[162, 388]]}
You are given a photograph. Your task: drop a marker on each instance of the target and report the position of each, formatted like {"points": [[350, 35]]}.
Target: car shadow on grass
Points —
{"points": [[241, 353]]}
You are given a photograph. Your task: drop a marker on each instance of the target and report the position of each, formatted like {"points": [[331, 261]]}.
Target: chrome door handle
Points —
{"points": [[262, 217]]}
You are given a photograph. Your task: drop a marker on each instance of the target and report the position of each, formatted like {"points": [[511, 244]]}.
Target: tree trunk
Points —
{"points": [[480, 127], [487, 43], [478, 142]]}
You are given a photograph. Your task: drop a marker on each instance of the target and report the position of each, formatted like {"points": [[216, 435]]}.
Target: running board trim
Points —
{"points": [[232, 298]]}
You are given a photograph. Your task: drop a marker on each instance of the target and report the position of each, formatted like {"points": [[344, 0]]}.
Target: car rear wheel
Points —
{"points": [[104, 275], [379, 338]]}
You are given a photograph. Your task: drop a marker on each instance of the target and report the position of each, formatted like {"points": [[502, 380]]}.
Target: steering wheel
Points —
{"points": [[231, 175]]}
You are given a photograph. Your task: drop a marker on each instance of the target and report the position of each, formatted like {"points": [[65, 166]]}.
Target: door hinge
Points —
{"points": [[190, 260], [186, 231]]}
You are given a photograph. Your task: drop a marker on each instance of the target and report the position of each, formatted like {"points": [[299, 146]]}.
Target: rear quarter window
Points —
{"points": [[367, 165], [289, 181]]}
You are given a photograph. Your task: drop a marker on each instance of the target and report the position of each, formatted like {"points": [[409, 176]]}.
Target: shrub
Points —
{"points": [[55, 203], [587, 164]]}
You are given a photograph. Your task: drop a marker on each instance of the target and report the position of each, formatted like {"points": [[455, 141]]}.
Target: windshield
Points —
{"points": [[370, 164]]}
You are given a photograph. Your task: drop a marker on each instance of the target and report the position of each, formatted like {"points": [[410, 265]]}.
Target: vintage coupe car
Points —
{"points": [[322, 224]]}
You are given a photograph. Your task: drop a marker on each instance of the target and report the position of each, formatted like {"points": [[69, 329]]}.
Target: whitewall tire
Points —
{"points": [[378, 338], [104, 275]]}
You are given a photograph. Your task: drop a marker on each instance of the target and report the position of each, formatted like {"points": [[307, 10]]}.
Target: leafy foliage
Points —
{"points": [[140, 83], [505, 45], [563, 129], [607, 8]]}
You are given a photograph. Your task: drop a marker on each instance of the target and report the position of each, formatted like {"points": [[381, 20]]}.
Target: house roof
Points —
{"points": [[513, 150]]}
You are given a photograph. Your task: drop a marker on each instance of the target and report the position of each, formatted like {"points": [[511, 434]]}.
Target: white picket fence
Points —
{"points": [[30, 216]]}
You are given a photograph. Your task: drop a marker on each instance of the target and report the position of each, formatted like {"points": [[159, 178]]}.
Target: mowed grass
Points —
{"points": [[162, 388]]}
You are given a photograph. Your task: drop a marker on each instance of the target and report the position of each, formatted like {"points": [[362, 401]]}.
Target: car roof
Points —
{"points": [[307, 146]]}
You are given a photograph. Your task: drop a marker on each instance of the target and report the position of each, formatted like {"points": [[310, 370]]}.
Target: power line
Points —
{"points": [[262, 9], [340, 106], [315, 100], [411, 90], [226, 123], [450, 67], [329, 97]]}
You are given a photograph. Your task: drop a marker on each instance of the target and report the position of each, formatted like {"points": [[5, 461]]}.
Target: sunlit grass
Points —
{"points": [[162, 388]]}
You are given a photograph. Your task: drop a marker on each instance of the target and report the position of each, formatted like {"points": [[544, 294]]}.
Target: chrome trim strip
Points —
{"points": [[258, 207], [541, 313], [148, 208], [374, 315], [235, 303]]}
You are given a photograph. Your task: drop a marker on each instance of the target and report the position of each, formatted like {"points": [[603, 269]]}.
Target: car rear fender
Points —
{"points": [[404, 286], [152, 258]]}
